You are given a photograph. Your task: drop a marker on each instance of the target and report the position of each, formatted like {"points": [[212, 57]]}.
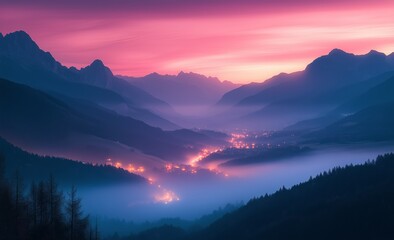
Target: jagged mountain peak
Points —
{"points": [[374, 53], [21, 47], [337, 51], [20, 39], [97, 73], [341, 62], [97, 63], [19, 35], [196, 76], [153, 74], [97, 66]]}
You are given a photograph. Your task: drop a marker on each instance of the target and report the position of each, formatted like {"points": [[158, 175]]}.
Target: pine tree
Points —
{"points": [[33, 204], [96, 234], [42, 203], [20, 209], [77, 224], [55, 199], [2, 169], [6, 204]]}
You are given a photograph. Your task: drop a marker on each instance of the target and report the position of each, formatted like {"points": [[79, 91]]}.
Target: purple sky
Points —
{"points": [[241, 41]]}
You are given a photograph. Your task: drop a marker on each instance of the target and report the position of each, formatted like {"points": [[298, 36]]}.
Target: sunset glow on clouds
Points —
{"points": [[236, 40]]}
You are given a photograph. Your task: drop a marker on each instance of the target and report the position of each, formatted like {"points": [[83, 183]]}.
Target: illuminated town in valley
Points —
{"points": [[241, 140], [189, 120]]}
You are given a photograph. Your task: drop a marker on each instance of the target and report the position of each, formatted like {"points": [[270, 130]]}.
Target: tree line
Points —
{"points": [[351, 202], [40, 210]]}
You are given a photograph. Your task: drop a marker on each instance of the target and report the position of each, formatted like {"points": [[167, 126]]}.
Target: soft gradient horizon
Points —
{"points": [[240, 41]]}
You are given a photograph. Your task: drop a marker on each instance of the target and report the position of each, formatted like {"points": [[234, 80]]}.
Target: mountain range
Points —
{"points": [[326, 83], [92, 115], [22, 61], [188, 93], [87, 114], [39, 168], [40, 123]]}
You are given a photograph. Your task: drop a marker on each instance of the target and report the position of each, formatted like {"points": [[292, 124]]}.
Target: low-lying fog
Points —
{"points": [[191, 197]]}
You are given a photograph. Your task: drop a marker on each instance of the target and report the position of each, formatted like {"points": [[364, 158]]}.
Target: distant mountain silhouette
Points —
{"points": [[184, 89], [38, 122], [382, 93], [326, 83], [98, 74], [22, 61], [37, 168], [374, 123], [19, 46], [235, 96], [376, 90]]}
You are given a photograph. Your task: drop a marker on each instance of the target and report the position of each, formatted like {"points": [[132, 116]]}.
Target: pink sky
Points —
{"points": [[240, 41]]}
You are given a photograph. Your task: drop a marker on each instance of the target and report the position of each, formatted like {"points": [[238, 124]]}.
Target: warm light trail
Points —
{"points": [[161, 195]]}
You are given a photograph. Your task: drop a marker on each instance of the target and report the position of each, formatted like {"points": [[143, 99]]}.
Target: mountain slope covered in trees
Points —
{"points": [[355, 202], [352, 202], [38, 168], [41, 211]]}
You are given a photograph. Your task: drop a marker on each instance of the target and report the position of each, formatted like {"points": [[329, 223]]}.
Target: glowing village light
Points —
{"points": [[166, 197], [133, 169], [151, 180], [168, 167], [118, 164]]}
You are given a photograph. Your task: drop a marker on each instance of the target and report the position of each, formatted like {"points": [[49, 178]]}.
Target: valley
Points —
{"points": [[183, 153]]}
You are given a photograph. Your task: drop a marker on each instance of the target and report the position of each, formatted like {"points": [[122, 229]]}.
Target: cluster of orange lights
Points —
{"points": [[203, 154], [236, 141], [133, 169], [166, 196], [169, 167], [163, 195], [194, 162], [130, 167]]}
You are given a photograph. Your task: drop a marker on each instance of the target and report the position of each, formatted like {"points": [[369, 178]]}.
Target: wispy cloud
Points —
{"points": [[236, 40]]}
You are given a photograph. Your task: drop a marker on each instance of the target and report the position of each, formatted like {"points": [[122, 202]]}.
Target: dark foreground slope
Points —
{"points": [[356, 202], [36, 168]]}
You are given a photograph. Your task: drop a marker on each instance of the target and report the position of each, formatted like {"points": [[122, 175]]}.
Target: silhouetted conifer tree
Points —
{"points": [[77, 223]]}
